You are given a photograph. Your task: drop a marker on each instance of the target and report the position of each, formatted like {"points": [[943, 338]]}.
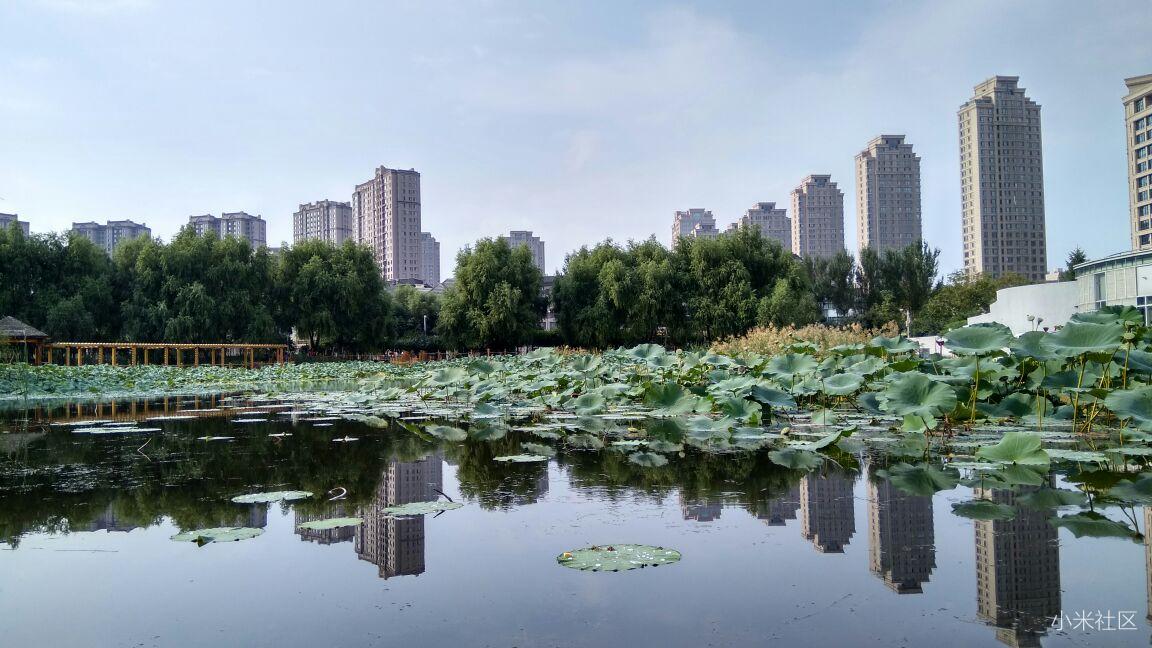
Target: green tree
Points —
{"points": [[959, 298], [495, 301], [1075, 258]]}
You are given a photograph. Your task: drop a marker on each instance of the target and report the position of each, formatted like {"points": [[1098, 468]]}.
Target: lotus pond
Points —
{"points": [[852, 496]]}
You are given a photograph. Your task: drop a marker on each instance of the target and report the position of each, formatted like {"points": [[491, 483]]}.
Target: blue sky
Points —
{"points": [[579, 121]]}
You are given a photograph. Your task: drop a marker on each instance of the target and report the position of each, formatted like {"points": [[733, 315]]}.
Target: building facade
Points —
{"points": [[817, 217], [386, 212], [235, 224], [6, 221], [1002, 182], [1138, 127], [901, 537], [694, 222], [396, 544], [429, 259], [112, 233], [323, 220], [772, 222], [887, 195], [535, 246]]}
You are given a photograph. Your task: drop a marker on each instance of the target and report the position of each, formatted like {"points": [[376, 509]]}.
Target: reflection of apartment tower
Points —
{"points": [[826, 512], [429, 260], [696, 223], [1002, 182], [901, 540], [6, 221], [323, 220], [111, 234], [109, 521], [517, 238], [1017, 571], [1138, 126], [386, 211], [323, 536], [776, 511], [396, 545], [1148, 555], [773, 223], [887, 195], [817, 217], [701, 510]]}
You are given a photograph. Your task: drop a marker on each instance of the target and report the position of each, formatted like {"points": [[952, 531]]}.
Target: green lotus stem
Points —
{"points": [[975, 392], [1079, 385]]}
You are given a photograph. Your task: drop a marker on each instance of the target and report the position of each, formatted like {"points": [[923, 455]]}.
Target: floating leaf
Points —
{"points": [[539, 449], [446, 432], [217, 534], [621, 557], [796, 459], [921, 479], [272, 496], [420, 508], [1094, 525], [1046, 498], [983, 509], [1134, 492], [331, 523], [648, 459], [520, 458], [1016, 447]]}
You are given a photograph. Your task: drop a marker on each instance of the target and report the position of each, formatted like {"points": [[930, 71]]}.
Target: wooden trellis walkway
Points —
{"points": [[161, 353]]}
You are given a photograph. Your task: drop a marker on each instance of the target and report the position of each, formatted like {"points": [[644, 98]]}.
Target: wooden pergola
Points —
{"points": [[164, 353]]}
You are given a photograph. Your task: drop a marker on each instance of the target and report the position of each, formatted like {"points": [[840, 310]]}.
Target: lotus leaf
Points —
{"points": [[420, 508], [1077, 338], [796, 459], [217, 534], [1094, 525], [978, 339], [1134, 492], [1016, 447], [1046, 498], [983, 509], [522, 458], [916, 394], [615, 558], [921, 479], [331, 523], [272, 496], [842, 384], [447, 432], [648, 459]]}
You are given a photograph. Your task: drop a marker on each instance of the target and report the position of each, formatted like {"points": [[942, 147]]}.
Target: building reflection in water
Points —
{"points": [[1148, 555], [324, 536], [109, 521], [1017, 570], [826, 510], [704, 509], [901, 539], [776, 511], [396, 545]]}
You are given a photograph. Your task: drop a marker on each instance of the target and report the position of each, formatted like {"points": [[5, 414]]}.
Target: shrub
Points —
{"points": [[771, 339]]}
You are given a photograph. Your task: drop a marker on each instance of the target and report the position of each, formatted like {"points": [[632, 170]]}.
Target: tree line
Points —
{"points": [[207, 289]]}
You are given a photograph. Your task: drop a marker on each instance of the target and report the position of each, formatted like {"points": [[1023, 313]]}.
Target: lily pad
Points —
{"points": [[1016, 447], [447, 432], [1094, 525], [272, 496], [983, 509], [648, 459], [217, 534], [922, 479], [796, 459], [331, 523], [521, 458], [615, 558], [420, 508]]}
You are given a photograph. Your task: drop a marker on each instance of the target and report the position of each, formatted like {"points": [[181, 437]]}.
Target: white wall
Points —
{"points": [[1055, 302]]}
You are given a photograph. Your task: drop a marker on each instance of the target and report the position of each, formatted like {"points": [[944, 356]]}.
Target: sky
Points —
{"points": [[578, 121]]}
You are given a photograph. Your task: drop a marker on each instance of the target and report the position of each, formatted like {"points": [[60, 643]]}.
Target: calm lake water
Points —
{"points": [[770, 556]]}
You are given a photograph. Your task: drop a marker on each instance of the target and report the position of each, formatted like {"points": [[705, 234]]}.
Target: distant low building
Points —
{"points": [[6, 221], [112, 233], [1123, 279]]}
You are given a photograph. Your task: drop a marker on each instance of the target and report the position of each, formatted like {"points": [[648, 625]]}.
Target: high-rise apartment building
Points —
{"points": [[901, 538], [817, 217], [1017, 569], [827, 517], [6, 221], [1138, 126], [396, 544], [111, 234], [235, 224], [772, 222], [386, 211], [323, 220], [430, 259], [696, 222], [1002, 182], [887, 195], [535, 246]]}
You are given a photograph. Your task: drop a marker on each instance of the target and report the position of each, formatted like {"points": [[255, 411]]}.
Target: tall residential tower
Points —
{"points": [[386, 211], [429, 260], [323, 220], [695, 222], [1138, 126], [772, 222], [817, 217], [887, 195], [1002, 182], [535, 246]]}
